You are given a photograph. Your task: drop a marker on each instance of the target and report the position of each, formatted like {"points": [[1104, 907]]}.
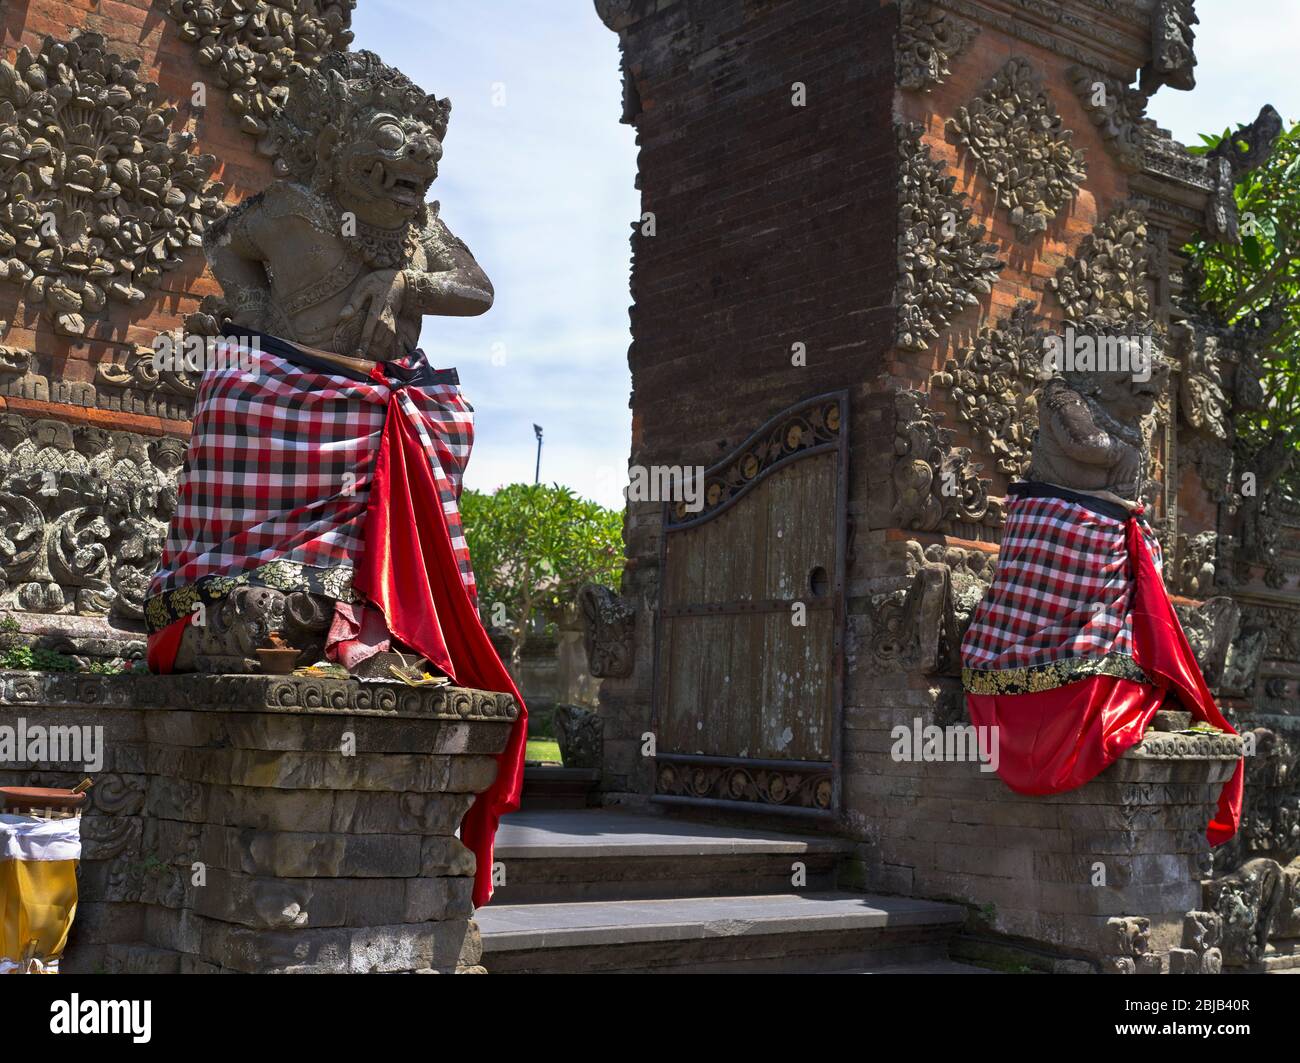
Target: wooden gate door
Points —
{"points": [[749, 637]]}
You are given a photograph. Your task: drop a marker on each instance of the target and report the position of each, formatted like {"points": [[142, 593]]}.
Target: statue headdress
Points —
{"points": [[341, 88]]}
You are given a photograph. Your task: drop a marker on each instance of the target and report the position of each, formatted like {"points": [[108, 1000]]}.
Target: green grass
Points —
{"points": [[543, 749]]}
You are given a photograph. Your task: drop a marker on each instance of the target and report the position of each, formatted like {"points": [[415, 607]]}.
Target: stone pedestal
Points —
{"points": [[1054, 870], [270, 824]]}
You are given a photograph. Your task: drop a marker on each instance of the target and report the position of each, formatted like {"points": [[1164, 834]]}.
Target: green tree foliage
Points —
{"points": [[533, 547], [1243, 282]]}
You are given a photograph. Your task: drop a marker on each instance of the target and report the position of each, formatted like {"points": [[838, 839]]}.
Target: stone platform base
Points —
{"points": [[1052, 872], [269, 824]]}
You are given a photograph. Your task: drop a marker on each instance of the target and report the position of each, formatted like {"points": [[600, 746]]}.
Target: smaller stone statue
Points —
{"points": [[1093, 431], [1076, 645]]}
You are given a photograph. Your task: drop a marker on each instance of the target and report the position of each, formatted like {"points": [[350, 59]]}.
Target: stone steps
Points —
{"points": [[594, 854], [804, 932], [598, 890]]}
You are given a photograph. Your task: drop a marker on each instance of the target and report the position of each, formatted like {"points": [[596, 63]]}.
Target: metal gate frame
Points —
{"points": [[674, 521]]}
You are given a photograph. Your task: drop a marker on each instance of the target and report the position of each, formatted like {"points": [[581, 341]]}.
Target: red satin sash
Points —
{"points": [[1056, 740]]}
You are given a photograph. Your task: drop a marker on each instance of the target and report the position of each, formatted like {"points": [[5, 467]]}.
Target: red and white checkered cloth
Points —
{"points": [[1063, 590], [280, 465]]}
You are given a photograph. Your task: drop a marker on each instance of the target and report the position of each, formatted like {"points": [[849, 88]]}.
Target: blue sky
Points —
{"points": [[538, 180], [1246, 57], [537, 177]]}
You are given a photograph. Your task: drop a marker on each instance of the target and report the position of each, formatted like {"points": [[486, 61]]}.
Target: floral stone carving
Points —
{"points": [[994, 386], [1105, 283], [1014, 133], [252, 47], [99, 196], [943, 262], [929, 38]]}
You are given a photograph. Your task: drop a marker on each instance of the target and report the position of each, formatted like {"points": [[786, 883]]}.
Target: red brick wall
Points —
{"points": [[1030, 265], [775, 226], [774, 223], [135, 29]]}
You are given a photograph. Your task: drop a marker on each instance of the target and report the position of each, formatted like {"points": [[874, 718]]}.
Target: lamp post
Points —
{"points": [[537, 475]]}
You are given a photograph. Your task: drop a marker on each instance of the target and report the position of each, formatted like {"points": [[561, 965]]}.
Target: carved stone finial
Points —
{"points": [[1249, 147], [1126, 947], [609, 622], [104, 197], [1173, 43], [1020, 146]]}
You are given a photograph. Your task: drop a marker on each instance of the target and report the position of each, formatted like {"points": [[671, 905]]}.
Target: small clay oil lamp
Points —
{"points": [[53, 801], [278, 658]]}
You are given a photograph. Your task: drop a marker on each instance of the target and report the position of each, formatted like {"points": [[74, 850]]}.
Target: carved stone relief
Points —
{"points": [[921, 626], [1014, 133], [1105, 283], [1247, 900], [994, 385], [1117, 110], [85, 513], [252, 47], [98, 195], [944, 265], [1211, 629], [934, 482], [929, 38]]}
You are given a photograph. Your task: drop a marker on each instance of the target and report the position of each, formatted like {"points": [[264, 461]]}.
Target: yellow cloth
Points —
{"points": [[38, 887]]}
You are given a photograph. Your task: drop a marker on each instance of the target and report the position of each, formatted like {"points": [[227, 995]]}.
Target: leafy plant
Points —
{"points": [[16, 655], [1240, 283], [533, 547]]}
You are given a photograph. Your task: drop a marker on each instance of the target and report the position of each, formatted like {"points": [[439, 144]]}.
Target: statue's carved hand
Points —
{"points": [[1128, 467], [379, 295]]}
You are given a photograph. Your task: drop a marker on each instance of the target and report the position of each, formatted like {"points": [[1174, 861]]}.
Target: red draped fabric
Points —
{"points": [[410, 571], [1055, 740]]}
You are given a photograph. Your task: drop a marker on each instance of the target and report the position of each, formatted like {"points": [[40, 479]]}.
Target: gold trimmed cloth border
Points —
{"points": [[1039, 677], [287, 576]]}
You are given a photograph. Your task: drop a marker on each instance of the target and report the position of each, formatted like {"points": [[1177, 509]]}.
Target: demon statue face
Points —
{"points": [[342, 253], [364, 135]]}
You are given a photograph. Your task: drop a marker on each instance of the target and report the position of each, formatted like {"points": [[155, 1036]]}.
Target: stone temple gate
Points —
{"points": [[866, 218], [867, 214]]}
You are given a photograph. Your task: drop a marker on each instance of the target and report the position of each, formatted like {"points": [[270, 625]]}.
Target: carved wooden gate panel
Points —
{"points": [[749, 638]]}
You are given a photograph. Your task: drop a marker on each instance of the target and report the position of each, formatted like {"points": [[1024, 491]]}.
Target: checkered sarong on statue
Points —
{"points": [[278, 474], [1060, 605]]}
